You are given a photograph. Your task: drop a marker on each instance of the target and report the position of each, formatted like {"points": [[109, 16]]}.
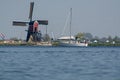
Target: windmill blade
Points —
{"points": [[43, 22], [18, 23], [31, 10]]}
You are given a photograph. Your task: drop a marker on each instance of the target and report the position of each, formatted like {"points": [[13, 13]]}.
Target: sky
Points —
{"points": [[99, 17]]}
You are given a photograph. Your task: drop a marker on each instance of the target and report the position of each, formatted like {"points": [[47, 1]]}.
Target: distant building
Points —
{"points": [[113, 42], [107, 41], [95, 41]]}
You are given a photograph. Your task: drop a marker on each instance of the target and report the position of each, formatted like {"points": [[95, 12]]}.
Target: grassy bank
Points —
{"points": [[103, 44]]}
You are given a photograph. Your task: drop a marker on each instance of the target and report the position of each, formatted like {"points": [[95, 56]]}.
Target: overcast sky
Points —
{"points": [[98, 17]]}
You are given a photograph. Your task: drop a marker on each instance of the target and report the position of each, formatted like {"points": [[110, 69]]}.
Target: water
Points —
{"points": [[59, 63]]}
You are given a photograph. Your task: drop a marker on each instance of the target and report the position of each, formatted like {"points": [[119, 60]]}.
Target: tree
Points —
{"points": [[104, 39], [88, 36], [110, 38], [116, 39], [79, 36]]}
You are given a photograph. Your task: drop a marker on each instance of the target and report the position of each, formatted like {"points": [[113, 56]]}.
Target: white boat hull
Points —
{"points": [[73, 44]]}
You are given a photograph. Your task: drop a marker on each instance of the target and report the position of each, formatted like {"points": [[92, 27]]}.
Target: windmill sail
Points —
{"points": [[31, 10], [43, 22], [19, 23]]}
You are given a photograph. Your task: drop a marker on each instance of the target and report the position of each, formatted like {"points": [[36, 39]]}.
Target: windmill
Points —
{"points": [[33, 25]]}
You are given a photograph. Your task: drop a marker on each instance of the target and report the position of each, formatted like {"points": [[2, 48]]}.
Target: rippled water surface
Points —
{"points": [[59, 63]]}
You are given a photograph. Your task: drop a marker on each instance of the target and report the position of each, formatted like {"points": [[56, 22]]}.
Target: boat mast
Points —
{"points": [[70, 21]]}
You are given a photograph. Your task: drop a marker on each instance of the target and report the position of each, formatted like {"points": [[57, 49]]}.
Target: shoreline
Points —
{"points": [[57, 44]]}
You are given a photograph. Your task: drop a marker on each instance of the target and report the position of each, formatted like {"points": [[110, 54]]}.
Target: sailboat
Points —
{"points": [[70, 40]]}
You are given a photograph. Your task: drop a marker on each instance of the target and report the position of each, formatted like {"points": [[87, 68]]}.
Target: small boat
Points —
{"points": [[71, 40]]}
